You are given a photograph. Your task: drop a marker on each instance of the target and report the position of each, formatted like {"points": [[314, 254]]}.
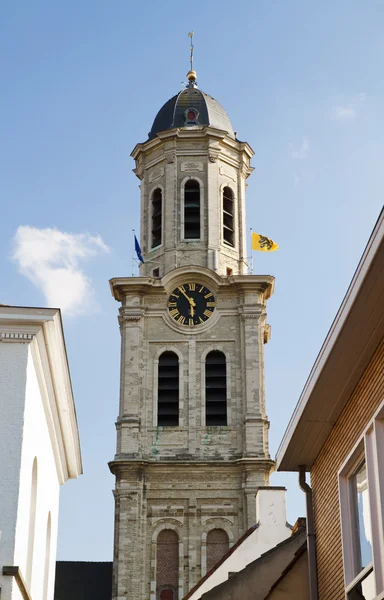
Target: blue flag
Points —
{"points": [[138, 250]]}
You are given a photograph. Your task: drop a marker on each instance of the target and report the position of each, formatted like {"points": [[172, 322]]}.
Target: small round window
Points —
{"points": [[191, 116]]}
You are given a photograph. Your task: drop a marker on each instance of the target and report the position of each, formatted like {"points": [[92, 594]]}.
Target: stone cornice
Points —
{"points": [[18, 337], [139, 286], [186, 133], [263, 284], [247, 463]]}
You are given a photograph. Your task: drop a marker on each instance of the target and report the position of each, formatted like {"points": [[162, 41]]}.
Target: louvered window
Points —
{"points": [[192, 210], [168, 390], [215, 389], [157, 207], [228, 217]]}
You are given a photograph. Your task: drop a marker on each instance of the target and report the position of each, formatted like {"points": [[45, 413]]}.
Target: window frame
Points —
{"points": [[208, 400], [155, 376], [234, 220], [158, 401], [182, 210], [370, 447], [150, 210], [168, 586]]}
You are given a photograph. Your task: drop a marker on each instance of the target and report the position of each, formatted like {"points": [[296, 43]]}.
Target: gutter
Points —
{"points": [[311, 539]]}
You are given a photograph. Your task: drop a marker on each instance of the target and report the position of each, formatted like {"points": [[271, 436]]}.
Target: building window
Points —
{"points": [[228, 217], [168, 390], [167, 565], [47, 558], [361, 515], [157, 209], [217, 546], [191, 116], [215, 389], [32, 525], [192, 210]]}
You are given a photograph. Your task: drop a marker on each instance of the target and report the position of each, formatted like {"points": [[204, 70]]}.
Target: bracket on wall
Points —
{"points": [[16, 573]]}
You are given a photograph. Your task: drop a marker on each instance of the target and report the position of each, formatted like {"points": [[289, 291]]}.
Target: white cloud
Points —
{"points": [[50, 259], [301, 151], [347, 109]]}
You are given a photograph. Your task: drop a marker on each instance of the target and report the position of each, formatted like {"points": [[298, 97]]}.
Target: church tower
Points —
{"points": [[192, 430]]}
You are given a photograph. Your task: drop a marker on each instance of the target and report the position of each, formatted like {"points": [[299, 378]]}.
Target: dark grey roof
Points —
{"points": [[83, 580], [210, 112]]}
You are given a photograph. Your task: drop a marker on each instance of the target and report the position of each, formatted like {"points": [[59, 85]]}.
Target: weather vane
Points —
{"points": [[191, 34]]}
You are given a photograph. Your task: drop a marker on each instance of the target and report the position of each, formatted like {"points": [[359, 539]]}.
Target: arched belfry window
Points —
{"points": [[228, 217], [168, 390], [215, 389], [217, 546], [157, 209], [167, 565], [192, 210]]}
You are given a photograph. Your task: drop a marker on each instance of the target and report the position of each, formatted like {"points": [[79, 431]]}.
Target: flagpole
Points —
{"points": [[133, 252], [251, 255]]}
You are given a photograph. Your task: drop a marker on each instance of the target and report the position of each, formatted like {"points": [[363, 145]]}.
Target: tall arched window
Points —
{"points": [[168, 390], [32, 524], [215, 389], [228, 217], [167, 565], [217, 546], [47, 557], [157, 209], [192, 210]]}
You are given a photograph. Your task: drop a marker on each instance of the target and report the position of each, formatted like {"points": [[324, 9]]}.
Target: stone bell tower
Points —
{"points": [[192, 430]]}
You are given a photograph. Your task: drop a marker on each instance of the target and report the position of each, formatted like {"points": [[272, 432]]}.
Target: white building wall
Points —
{"points": [[271, 530], [24, 436], [13, 376], [37, 444]]}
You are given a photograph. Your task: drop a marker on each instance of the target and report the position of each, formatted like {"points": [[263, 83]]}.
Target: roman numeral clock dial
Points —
{"points": [[191, 304]]}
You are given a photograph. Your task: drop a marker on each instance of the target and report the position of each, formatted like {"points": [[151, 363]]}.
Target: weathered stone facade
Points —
{"points": [[190, 478], [215, 161]]}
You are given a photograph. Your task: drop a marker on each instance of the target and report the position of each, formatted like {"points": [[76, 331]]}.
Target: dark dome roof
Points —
{"points": [[209, 112]]}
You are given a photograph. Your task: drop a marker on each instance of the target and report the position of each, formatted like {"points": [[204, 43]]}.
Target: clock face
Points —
{"points": [[191, 304]]}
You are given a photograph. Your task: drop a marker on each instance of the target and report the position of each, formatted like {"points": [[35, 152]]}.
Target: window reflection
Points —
{"points": [[364, 535], [365, 589]]}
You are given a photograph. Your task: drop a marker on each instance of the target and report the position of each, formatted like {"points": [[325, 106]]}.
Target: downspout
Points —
{"points": [[311, 539]]}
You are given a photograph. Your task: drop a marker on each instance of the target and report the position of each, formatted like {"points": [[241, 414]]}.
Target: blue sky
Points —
{"points": [[81, 84]]}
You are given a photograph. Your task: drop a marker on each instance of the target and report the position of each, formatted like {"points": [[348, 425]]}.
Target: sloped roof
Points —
{"points": [[356, 332], [77, 580], [261, 573], [220, 562]]}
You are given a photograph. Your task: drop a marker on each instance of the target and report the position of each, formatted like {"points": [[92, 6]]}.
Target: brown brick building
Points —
{"points": [[337, 433]]}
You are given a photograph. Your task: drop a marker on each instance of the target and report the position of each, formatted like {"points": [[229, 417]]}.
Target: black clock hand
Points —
{"points": [[190, 300]]}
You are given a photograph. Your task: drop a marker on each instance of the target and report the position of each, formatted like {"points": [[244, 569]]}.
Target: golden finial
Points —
{"points": [[192, 75], [190, 35]]}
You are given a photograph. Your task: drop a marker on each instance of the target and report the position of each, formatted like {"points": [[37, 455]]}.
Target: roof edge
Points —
{"points": [[333, 335]]}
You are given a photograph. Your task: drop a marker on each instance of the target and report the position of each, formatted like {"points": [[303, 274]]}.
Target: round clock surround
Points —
{"points": [[191, 304]]}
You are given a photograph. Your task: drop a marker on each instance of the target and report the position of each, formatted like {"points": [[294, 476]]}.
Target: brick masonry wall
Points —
{"points": [[365, 399], [167, 559], [217, 546]]}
